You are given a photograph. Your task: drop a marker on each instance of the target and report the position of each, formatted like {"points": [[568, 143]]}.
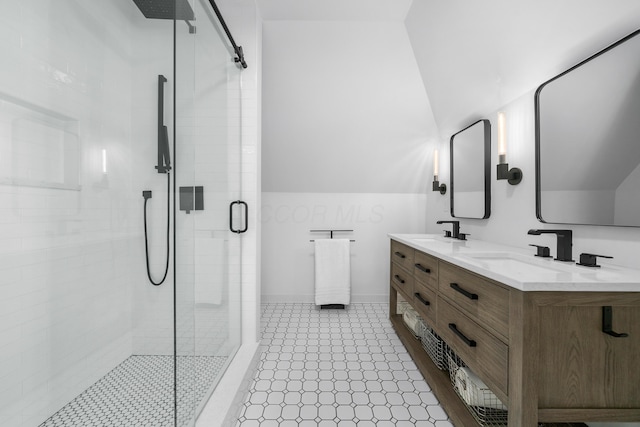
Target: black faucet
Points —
{"points": [[564, 242], [456, 228]]}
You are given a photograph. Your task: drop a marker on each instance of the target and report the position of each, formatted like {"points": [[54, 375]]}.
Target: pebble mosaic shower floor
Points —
{"points": [[139, 392], [344, 368]]}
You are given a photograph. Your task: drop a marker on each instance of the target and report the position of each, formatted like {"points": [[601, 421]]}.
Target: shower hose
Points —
{"points": [[146, 242]]}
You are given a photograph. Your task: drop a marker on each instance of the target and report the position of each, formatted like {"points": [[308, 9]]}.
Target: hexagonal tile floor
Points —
{"points": [[140, 392], [342, 368]]}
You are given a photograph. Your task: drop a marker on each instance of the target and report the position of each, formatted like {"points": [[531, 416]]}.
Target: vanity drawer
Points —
{"points": [[425, 269], [484, 301], [424, 300], [485, 354], [402, 254], [402, 281]]}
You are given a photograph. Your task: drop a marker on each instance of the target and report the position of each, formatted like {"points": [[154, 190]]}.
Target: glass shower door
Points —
{"points": [[208, 253], [85, 339]]}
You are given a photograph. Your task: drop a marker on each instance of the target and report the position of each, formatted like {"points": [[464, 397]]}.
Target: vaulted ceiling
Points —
{"points": [[350, 84], [475, 57], [334, 10]]}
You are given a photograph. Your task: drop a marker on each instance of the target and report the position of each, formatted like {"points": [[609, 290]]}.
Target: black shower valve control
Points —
{"points": [[191, 199], [542, 251], [589, 260], [146, 194]]}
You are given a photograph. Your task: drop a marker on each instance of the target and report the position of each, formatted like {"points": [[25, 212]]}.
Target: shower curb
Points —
{"points": [[225, 404]]}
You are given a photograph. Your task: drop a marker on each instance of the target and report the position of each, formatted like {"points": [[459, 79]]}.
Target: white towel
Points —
{"points": [[412, 320], [333, 271], [210, 269], [474, 391]]}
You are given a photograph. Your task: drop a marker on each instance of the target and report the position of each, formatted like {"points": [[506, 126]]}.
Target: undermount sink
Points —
{"points": [[420, 241], [435, 239], [514, 262]]}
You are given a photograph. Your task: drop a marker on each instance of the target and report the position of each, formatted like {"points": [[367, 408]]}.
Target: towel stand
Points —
{"points": [[331, 231], [332, 306]]}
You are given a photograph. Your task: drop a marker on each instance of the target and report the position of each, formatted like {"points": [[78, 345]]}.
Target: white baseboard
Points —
{"points": [[309, 299]]}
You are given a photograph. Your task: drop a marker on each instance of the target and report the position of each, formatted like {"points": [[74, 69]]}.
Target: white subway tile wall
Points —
{"points": [[79, 85], [70, 233]]}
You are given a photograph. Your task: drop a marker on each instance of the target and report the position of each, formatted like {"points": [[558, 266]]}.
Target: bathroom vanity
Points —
{"points": [[533, 329]]}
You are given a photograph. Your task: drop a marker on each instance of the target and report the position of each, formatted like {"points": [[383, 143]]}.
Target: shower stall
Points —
{"points": [[120, 131]]}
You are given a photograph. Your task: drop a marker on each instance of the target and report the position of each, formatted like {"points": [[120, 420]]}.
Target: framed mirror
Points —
{"points": [[588, 140], [470, 174]]}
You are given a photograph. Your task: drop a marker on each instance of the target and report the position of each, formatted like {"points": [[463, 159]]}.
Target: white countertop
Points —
{"points": [[520, 269]]}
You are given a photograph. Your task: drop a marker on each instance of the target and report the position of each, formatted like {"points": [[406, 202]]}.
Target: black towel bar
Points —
{"points": [[331, 231]]}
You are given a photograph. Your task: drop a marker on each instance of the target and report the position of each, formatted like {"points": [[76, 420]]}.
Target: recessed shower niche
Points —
{"points": [[38, 147]]}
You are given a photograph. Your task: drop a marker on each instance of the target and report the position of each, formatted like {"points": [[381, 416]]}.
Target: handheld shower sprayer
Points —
{"points": [[163, 166], [147, 195]]}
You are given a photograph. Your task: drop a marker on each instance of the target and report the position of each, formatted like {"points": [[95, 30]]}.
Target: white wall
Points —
{"points": [[288, 255], [346, 122], [344, 109]]}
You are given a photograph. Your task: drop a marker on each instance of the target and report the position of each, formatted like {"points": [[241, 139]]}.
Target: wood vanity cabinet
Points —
{"points": [[544, 354]]}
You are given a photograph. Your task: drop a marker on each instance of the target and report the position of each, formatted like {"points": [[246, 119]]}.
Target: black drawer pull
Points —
{"points": [[454, 328], [422, 300], [607, 323], [467, 294], [400, 254], [423, 268], [398, 278]]}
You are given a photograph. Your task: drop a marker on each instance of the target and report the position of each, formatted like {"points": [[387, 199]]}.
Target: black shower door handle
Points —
{"points": [[246, 216]]}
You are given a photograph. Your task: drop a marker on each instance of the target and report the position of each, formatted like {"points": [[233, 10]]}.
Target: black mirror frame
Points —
{"points": [[487, 169], [537, 131]]}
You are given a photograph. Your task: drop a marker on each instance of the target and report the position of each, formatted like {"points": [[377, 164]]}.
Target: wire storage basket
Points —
{"points": [[435, 347], [484, 405]]}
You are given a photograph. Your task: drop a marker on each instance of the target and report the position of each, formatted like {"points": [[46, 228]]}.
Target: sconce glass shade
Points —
{"points": [[104, 161], [513, 175], [436, 186], [502, 138]]}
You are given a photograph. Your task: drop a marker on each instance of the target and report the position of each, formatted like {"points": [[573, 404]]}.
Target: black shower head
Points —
{"points": [[166, 9]]}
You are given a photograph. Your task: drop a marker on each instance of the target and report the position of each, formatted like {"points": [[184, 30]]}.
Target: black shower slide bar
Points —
{"points": [[164, 155]]}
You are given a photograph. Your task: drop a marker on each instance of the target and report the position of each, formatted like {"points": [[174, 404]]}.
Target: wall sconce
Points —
{"points": [[442, 188], [102, 180], [513, 175], [104, 161]]}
